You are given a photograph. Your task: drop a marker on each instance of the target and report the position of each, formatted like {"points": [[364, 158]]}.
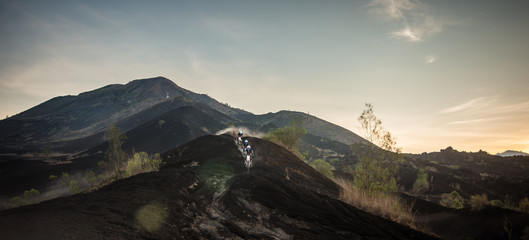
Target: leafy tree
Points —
{"points": [[323, 167], [378, 166], [115, 155], [288, 136]]}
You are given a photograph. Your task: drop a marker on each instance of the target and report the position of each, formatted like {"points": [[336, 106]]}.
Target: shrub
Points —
{"points": [[421, 183], [31, 196], [452, 200], [91, 178], [524, 205], [69, 183], [323, 167], [373, 175], [478, 202], [141, 162]]}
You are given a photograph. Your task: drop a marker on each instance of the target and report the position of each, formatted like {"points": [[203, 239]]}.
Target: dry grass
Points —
{"points": [[478, 202], [387, 206]]}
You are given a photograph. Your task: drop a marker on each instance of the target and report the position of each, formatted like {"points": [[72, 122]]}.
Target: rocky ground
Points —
{"points": [[205, 192]]}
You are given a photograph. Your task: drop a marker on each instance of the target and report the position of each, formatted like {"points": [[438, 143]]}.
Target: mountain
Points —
{"points": [[72, 117], [313, 125], [205, 192], [511, 153]]}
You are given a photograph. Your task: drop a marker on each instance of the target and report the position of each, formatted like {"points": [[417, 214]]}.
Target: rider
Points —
{"points": [[245, 144], [249, 150], [239, 137]]}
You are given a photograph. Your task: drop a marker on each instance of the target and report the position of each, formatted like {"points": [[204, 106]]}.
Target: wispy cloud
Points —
{"points": [[468, 121], [474, 103], [414, 20], [431, 58]]}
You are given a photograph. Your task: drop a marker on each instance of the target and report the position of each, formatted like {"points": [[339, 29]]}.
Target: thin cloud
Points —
{"points": [[415, 21], [391, 9], [431, 58], [474, 103], [408, 34], [468, 121]]}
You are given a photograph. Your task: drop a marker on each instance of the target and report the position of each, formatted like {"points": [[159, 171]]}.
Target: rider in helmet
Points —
{"points": [[245, 144], [249, 150], [239, 134]]}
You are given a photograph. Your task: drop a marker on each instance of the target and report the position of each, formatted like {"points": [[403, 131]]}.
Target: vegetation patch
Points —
{"points": [[478, 202], [388, 206], [452, 200], [323, 167], [216, 174]]}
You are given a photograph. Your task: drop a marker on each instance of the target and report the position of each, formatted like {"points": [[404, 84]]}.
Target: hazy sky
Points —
{"points": [[439, 73]]}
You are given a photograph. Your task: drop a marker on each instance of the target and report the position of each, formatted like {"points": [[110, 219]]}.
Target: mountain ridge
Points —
{"points": [[512, 153]]}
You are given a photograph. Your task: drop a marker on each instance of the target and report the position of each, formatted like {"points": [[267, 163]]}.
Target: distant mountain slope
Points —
{"points": [[74, 117], [511, 153], [167, 131], [313, 125], [204, 192]]}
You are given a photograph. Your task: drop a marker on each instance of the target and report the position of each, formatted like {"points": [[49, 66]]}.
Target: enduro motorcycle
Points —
{"points": [[248, 161]]}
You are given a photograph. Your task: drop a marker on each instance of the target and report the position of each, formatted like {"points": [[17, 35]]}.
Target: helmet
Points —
{"points": [[240, 131], [246, 140], [249, 147]]}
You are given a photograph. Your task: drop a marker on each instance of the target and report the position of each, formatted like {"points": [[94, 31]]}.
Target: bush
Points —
{"points": [[71, 184], [524, 205], [478, 202], [29, 197], [141, 162], [91, 178], [323, 167], [452, 200], [421, 183], [373, 175]]}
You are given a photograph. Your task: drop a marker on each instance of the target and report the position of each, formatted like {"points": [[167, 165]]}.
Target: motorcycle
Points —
{"points": [[248, 161]]}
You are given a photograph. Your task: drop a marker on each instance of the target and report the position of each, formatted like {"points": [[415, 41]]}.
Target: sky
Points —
{"points": [[438, 73]]}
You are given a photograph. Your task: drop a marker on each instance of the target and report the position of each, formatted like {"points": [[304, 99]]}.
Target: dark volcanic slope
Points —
{"points": [[71, 117], [204, 192]]}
